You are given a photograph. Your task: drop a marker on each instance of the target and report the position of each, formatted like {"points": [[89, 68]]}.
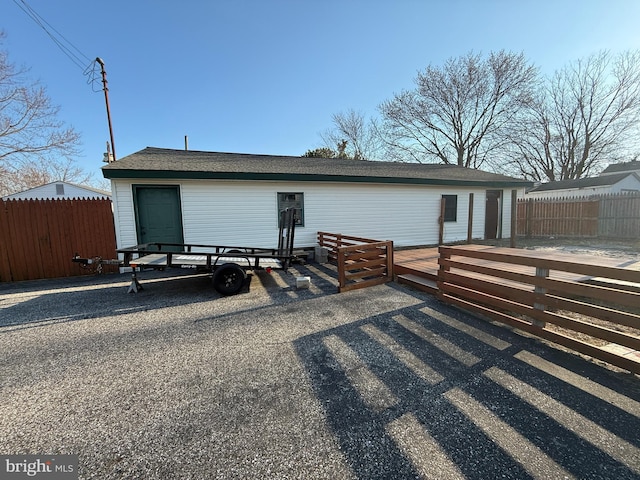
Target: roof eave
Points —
{"points": [[300, 177]]}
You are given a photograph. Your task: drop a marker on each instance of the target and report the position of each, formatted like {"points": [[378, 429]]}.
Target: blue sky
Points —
{"points": [[265, 76]]}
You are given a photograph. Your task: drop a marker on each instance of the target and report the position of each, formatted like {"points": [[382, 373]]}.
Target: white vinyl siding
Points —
{"points": [[627, 184], [123, 214], [244, 213], [56, 190]]}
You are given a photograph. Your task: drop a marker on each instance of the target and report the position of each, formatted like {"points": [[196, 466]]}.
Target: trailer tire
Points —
{"points": [[229, 278]]}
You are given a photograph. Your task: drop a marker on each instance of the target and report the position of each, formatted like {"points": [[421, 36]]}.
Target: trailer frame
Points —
{"points": [[231, 266]]}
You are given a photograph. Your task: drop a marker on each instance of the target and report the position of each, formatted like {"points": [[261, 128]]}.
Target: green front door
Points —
{"points": [[158, 214]]}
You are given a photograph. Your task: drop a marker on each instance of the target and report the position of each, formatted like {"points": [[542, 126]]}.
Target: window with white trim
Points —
{"points": [[450, 208]]}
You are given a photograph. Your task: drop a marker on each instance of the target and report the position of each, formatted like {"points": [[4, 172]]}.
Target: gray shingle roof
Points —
{"points": [[582, 182], [622, 167], [167, 163]]}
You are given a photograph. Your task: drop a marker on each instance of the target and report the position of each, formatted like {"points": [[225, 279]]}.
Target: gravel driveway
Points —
{"points": [[178, 382]]}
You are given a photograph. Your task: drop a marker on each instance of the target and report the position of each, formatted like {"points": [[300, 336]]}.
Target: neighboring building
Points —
{"points": [[622, 182], [180, 196], [625, 167], [58, 190]]}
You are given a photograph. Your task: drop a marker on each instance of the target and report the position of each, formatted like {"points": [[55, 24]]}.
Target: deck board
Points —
{"points": [[160, 260]]}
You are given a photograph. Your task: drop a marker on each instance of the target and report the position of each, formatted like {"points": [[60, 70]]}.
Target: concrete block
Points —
{"points": [[303, 282], [321, 254]]}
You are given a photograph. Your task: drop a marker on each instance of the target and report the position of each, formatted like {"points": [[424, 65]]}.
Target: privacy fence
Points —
{"points": [[607, 216], [38, 238]]}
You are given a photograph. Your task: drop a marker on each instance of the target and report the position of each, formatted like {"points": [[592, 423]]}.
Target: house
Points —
{"points": [[627, 167], [196, 197], [617, 182], [58, 190]]}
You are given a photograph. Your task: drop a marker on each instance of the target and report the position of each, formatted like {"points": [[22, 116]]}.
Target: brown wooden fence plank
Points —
{"points": [[5, 265], [612, 216], [365, 283], [596, 311], [24, 240], [17, 252], [61, 216], [47, 255], [374, 272], [56, 226], [38, 238], [556, 337], [547, 297]]}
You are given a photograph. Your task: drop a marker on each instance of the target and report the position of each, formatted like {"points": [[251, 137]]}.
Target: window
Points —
{"points": [[450, 208], [59, 188], [292, 200]]}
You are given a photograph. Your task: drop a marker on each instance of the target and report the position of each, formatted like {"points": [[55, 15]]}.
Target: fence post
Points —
{"points": [[443, 255], [340, 259], [528, 214], [441, 222], [538, 290], [470, 222], [514, 218]]}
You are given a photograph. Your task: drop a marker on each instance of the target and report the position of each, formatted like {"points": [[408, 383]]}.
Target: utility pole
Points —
{"points": [[106, 99]]}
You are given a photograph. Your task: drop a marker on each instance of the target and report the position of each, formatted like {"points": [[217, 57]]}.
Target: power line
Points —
{"points": [[69, 49], [88, 66]]}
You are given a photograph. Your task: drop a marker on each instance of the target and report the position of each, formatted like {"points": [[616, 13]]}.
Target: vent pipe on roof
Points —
{"points": [[186, 142]]}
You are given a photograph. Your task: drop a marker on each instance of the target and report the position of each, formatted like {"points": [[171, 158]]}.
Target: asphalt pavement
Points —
{"points": [[284, 383]]}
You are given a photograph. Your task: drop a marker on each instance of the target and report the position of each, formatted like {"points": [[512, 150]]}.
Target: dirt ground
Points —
{"points": [[593, 246]]}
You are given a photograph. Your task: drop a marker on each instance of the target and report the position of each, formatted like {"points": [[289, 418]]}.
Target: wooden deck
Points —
{"points": [[419, 267]]}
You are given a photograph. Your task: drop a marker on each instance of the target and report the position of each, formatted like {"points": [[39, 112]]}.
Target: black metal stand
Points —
{"points": [[135, 284]]}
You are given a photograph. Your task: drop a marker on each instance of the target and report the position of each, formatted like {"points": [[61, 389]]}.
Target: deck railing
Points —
{"points": [[361, 262], [572, 303]]}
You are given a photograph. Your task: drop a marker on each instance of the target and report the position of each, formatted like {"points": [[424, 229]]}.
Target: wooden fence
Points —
{"points": [[611, 216], [38, 238], [361, 262], [548, 298]]}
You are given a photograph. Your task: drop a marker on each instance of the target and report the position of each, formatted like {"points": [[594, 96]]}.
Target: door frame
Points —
{"points": [[135, 188], [500, 198]]}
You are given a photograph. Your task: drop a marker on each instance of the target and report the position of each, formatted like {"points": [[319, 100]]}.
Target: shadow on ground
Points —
{"points": [[428, 389], [282, 382], [31, 304]]}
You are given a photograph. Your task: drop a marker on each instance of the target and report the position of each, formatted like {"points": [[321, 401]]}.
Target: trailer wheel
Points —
{"points": [[229, 278]]}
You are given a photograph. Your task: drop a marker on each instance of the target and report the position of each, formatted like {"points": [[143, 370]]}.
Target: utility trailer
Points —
{"points": [[230, 266]]}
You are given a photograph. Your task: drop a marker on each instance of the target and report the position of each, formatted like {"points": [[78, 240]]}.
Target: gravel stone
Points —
{"points": [[177, 382]]}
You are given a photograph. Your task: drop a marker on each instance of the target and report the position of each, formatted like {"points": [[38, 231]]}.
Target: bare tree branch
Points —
{"points": [[35, 146], [457, 112], [586, 116], [361, 136]]}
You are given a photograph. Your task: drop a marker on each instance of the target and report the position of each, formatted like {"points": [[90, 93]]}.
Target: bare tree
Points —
{"points": [[358, 137], [457, 112], [32, 174], [587, 114], [34, 144]]}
